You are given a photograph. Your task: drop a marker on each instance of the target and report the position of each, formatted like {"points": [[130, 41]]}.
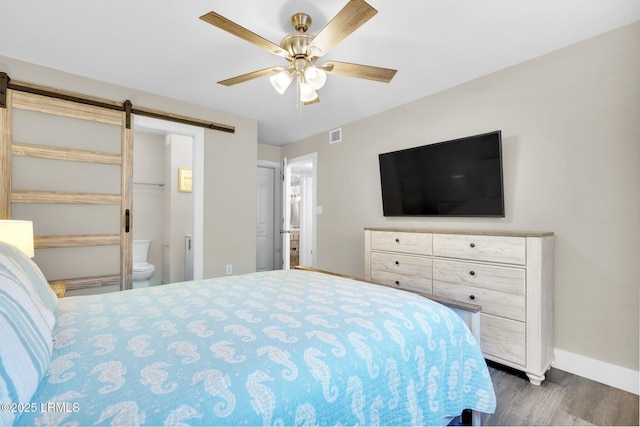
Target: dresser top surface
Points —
{"points": [[510, 233]]}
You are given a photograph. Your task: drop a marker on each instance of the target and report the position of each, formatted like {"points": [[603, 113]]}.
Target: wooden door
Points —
{"points": [[46, 177]]}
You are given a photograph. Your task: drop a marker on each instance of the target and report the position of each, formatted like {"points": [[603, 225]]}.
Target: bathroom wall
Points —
{"points": [[149, 188], [178, 220]]}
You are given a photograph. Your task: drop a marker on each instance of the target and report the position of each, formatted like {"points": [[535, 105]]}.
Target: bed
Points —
{"points": [[271, 348]]}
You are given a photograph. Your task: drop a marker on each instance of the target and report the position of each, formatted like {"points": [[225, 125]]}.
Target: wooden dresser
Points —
{"points": [[508, 273]]}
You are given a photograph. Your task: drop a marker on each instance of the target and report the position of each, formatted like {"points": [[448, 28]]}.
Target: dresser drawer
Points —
{"points": [[421, 284], [401, 264], [502, 249], [503, 340], [501, 304], [503, 279], [413, 243]]}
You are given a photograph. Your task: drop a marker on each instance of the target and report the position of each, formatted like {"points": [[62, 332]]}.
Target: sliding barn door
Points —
{"points": [[68, 167]]}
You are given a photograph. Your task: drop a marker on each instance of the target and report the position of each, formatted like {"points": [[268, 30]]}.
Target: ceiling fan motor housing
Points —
{"points": [[296, 43]]}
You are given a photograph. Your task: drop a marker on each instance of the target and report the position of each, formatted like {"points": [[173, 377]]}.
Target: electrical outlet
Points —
{"points": [[228, 269]]}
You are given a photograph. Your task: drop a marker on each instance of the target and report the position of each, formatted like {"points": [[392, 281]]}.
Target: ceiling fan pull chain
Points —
{"points": [[299, 103]]}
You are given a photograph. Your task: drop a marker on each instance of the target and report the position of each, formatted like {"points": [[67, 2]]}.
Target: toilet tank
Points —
{"points": [[141, 250]]}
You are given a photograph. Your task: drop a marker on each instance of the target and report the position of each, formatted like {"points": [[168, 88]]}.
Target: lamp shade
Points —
{"points": [[281, 81], [307, 93], [18, 234], [315, 77]]}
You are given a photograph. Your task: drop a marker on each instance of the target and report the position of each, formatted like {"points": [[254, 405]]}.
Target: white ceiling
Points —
{"points": [[160, 46]]}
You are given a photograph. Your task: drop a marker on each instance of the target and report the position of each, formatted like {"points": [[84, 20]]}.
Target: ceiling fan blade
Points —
{"points": [[368, 72], [349, 19], [231, 27], [250, 76]]}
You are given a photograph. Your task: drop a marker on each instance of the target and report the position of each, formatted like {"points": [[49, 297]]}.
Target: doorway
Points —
{"points": [[176, 262], [299, 203]]}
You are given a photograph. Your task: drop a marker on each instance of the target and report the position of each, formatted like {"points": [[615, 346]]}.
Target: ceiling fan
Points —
{"points": [[302, 51]]}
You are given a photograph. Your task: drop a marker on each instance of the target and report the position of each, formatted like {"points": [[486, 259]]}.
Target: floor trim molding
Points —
{"points": [[596, 370]]}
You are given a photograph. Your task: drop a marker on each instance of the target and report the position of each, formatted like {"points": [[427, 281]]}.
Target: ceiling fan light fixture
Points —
{"points": [[307, 93], [281, 81], [303, 49], [315, 77]]}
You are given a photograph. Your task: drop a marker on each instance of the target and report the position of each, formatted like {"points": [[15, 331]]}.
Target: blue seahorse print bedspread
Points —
{"points": [[272, 348]]}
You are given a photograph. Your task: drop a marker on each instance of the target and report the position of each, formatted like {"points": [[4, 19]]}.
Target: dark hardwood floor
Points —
{"points": [[563, 399]]}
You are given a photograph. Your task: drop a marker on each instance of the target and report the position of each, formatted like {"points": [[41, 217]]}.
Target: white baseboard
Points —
{"points": [[602, 372]]}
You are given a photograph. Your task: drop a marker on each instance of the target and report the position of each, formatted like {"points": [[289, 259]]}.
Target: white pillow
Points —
{"points": [[25, 346], [18, 266]]}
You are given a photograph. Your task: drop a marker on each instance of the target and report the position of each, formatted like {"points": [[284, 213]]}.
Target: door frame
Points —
{"points": [[197, 133], [288, 164]]}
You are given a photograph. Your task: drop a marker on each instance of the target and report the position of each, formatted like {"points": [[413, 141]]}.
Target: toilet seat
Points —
{"points": [[141, 273], [143, 267]]}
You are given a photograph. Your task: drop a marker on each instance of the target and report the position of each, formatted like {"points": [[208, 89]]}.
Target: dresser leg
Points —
{"points": [[535, 379]]}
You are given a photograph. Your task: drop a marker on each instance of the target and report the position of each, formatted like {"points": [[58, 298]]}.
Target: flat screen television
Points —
{"points": [[461, 177]]}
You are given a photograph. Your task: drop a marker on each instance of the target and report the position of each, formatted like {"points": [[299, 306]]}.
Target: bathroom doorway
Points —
{"points": [[299, 211], [168, 197]]}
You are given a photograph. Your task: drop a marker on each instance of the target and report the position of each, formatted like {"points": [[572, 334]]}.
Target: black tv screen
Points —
{"points": [[461, 177]]}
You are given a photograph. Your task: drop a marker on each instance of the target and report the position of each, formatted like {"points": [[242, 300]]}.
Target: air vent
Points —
{"points": [[335, 136]]}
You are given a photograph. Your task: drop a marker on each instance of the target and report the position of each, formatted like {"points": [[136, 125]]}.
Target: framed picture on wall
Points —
{"points": [[184, 180]]}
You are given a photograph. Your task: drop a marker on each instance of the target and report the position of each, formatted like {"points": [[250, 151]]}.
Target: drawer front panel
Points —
{"points": [[503, 339], [401, 264], [501, 304], [503, 279], [401, 281], [502, 249], [412, 243]]}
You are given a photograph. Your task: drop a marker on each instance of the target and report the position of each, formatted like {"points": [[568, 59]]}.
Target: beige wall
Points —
{"points": [[570, 122], [269, 153], [230, 164], [180, 205], [231, 238]]}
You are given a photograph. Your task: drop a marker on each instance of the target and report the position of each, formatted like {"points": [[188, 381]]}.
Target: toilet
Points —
{"points": [[142, 270]]}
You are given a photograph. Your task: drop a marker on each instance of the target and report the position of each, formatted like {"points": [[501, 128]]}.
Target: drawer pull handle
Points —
{"points": [[473, 273], [397, 262], [397, 240], [472, 297], [397, 283], [473, 245]]}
